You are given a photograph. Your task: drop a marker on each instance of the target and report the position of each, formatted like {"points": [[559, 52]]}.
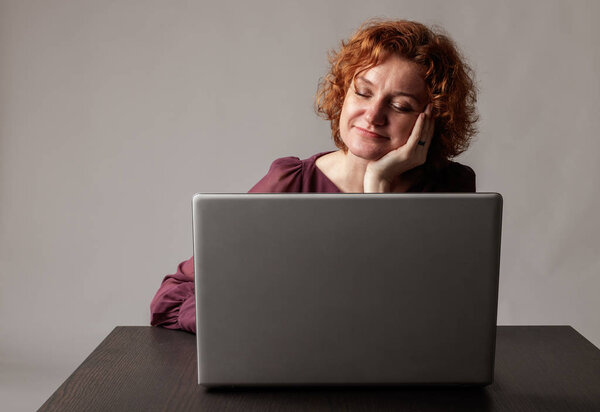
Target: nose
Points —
{"points": [[375, 113]]}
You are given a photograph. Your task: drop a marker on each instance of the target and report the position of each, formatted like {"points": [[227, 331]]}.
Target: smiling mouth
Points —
{"points": [[367, 133]]}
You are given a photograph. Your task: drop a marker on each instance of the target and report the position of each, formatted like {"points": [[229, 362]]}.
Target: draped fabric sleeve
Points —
{"points": [[284, 175], [174, 305]]}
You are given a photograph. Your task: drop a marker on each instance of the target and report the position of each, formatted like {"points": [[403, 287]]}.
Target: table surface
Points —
{"points": [[545, 368]]}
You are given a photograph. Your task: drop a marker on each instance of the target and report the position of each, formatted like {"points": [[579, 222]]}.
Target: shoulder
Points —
{"points": [[284, 175], [295, 164], [456, 177], [289, 164], [287, 169], [292, 175], [459, 170]]}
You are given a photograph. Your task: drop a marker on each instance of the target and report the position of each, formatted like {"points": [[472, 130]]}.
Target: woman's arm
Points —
{"points": [[174, 305]]}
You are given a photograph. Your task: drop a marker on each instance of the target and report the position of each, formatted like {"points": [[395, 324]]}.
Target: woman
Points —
{"points": [[401, 102]]}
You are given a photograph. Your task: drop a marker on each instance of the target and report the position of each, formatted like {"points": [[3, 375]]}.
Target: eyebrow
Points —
{"points": [[397, 93]]}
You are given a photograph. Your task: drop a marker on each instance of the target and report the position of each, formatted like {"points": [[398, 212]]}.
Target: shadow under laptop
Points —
{"points": [[406, 398]]}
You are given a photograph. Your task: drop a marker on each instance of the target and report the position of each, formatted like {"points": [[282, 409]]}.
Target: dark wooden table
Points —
{"points": [[538, 368]]}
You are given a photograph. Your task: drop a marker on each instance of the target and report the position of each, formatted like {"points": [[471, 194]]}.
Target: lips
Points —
{"points": [[368, 133]]}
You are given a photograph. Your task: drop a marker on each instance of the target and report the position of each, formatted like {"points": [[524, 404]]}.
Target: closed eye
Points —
{"points": [[402, 108], [362, 93]]}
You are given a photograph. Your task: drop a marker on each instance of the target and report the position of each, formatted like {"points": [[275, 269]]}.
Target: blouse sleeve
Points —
{"points": [[457, 178], [174, 305], [284, 175], [464, 180]]}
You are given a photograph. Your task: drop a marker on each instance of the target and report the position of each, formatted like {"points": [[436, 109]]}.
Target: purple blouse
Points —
{"points": [[174, 306]]}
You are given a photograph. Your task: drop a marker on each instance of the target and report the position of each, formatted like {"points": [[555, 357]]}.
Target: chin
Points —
{"points": [[368, 153]]}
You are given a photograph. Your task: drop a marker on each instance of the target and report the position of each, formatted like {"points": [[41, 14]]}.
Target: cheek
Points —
{"points": [[404, 129], [345, 115]]}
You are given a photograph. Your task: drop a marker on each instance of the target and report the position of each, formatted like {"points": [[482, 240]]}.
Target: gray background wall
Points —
{"points": [[113, 114]]}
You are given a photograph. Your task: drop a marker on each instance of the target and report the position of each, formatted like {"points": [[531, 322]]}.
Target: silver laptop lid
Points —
{"points": [[346, 289]]}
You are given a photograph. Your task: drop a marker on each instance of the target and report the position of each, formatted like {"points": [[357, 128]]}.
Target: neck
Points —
{"points": [[353, 170]]}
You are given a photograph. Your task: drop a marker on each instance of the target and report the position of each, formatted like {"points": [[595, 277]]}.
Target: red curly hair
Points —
{"points": [[449, 80]]}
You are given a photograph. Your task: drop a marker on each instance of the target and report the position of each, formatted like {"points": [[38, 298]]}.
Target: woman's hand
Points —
{"points": [[381, 174]]}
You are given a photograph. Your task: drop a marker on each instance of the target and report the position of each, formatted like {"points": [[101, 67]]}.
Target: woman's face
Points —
{"points": [[381, 107]]}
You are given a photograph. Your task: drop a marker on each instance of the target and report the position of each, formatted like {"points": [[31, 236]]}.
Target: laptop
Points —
{"points": [[346, 289]]}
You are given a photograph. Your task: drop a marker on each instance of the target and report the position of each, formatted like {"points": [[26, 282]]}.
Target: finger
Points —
{"points": [[422, 138], [428, 121], [430, 134], [429, 126], [417, 132]]}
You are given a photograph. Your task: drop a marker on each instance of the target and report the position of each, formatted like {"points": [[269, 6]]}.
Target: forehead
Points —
{"points": [[395, 74]]}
